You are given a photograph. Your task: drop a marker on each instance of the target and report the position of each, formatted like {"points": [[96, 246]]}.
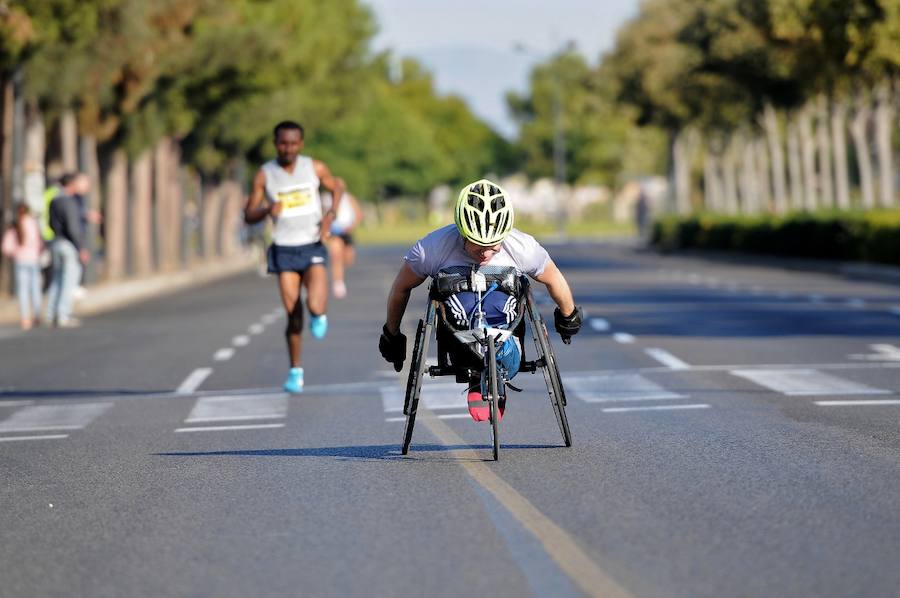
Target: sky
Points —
{"points": [[470, 45]]}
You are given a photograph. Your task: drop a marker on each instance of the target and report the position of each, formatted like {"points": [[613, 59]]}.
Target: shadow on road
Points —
{"points": [[387, 452]]}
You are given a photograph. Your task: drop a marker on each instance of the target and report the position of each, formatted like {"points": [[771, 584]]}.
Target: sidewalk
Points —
{"points": [[113, 295]]}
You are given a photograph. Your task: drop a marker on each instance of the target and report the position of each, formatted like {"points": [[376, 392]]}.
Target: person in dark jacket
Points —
{"points": [[69, 253]]}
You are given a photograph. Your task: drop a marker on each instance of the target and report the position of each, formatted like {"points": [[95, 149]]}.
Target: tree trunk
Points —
{"points": [[6, 166], [142, 215], [210, 219], [776, 155], [823, 139], [35, 158], [712, 185], [729, 175], [174, 215], [232, 216], [839, 142], [859, 132], [808, 153], [749, 193], [90, 165], [681, 171], [68, 134], [116, 215], [884, 124], [763, 187], [161, 190], [795, 167]]}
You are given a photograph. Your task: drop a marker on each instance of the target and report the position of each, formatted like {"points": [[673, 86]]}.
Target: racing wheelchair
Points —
{"points": [[482, 343]]}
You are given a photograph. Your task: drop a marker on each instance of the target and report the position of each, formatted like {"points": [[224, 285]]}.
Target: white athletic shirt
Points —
{"points": [[444, 247], [345, 217], [301, 217]]}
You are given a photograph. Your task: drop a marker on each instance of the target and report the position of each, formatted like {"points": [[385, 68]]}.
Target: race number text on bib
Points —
{"points": [[296, 201]]}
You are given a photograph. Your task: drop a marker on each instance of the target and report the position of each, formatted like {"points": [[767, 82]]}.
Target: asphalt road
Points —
{"points": [[735, 429]]}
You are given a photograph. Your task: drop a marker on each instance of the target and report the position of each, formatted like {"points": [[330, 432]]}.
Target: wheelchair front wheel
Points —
{"points": [[554, 381], [414, 382], [494, 399]]}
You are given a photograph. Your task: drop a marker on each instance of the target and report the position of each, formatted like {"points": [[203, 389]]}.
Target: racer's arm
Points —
{"points": [[404, 283], [567, 317], [558, 288], [257, 207], [336, 186]]}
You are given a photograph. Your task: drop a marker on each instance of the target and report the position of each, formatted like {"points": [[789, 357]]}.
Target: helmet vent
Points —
{"points": [[476, 202], [498, 203]]}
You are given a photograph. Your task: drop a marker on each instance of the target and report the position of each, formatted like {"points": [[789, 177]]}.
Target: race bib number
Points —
{"points": [[295, 198]]}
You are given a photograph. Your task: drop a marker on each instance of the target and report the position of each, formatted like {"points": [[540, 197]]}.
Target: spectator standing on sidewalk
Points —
{"points": [[69, 253], [22, 244]]}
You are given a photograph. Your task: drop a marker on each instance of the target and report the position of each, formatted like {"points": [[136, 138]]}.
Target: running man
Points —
{"points": [[341, 253], [482, 235], [287, 189]]}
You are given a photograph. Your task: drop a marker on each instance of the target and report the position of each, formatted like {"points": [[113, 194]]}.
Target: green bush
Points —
{"points": [[869, 236]]}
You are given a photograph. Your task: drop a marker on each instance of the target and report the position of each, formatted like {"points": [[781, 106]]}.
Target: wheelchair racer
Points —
{"points": [[482, 235]]}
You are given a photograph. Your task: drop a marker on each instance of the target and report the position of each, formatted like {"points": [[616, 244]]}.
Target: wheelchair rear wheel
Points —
{"points": [[551, 376], [414, 381], [494, 398]]}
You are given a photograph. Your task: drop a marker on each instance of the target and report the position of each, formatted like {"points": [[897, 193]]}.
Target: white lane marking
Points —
{"points": [[612, 388], [224, 354], [806, 382], [442, 416], [856, 303], [43, 437], [268, 319], [441, 395], [225, 428], [241, 340], [623, 337], [816, 298], [193, 381], [667, 359], [883, 352], [53, 417], [15, 403], [655, 408], [256, 328], [860, 402], [219, 408], [598, 324]]}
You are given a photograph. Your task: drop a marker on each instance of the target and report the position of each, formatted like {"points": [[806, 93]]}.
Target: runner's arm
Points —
{"points": [[558, 288], [332, 183], [257, 207], [405, 282]]}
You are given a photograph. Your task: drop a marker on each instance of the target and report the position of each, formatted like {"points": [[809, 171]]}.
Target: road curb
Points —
{"points": [[114, 295]]}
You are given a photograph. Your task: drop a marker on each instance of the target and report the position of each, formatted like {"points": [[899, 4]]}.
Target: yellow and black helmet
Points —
{"points": [[484, 213]]}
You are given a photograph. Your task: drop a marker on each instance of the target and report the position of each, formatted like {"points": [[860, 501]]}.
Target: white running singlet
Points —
{"points": [[301, 216]]}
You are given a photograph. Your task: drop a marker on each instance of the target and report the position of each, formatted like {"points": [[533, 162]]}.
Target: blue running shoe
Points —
{"points": [[318, 325], [294, 382]]}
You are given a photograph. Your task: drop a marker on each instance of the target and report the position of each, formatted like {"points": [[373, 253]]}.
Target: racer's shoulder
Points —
{"points": [[441, 235], [522, 239]]}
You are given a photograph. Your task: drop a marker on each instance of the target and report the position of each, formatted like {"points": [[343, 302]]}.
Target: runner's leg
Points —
{"points": [[289, 284], [315, 279]]}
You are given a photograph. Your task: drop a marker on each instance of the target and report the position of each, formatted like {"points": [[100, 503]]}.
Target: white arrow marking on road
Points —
{"points": [[193, 381], [860, 403], [806, 382], [53, 417], [598, 324], [667, 359], [224, 354], [655, 408], [224, 428], [623, 337], [241, 340]]}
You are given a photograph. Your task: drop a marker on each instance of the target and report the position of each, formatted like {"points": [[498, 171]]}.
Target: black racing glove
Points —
{"points": [[568, 326], [393, 347]]}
